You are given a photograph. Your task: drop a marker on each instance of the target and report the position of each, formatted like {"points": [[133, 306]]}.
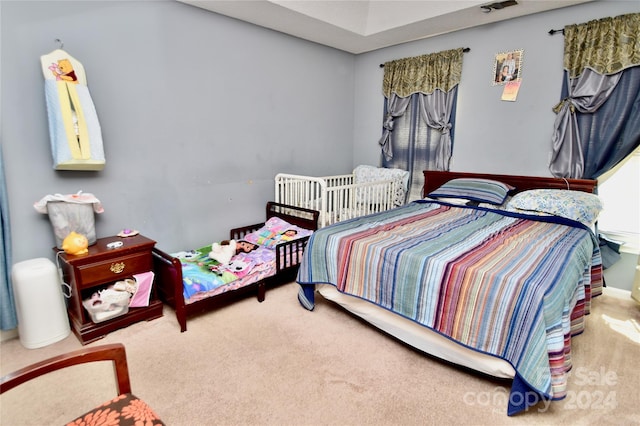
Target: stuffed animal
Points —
{"points": [[223, 252], [75, 244], [238, 267], [188, 256]]}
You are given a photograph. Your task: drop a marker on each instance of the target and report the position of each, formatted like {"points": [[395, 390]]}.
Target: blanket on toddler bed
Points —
{"points": [[200, 273], [275, 231], [254, 260]]}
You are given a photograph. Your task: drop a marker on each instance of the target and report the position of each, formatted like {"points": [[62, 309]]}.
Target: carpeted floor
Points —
{"points": [[275, 363]]}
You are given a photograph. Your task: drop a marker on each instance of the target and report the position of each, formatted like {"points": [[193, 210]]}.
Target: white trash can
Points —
{"points": [[40, 305]]}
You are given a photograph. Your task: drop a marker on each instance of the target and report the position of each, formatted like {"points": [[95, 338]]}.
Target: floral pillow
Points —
{"points": [[576, 205], [275, 231], [480, 190]]}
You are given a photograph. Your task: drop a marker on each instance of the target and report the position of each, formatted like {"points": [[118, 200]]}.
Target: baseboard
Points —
{"points": [[8, 334], [617, 293]]}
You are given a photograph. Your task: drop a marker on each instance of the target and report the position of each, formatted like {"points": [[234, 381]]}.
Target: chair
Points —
{"points": [[125, 409]]}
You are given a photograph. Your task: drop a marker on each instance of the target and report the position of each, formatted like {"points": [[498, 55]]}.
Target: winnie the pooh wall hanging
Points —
{"points": [[74, 130]]}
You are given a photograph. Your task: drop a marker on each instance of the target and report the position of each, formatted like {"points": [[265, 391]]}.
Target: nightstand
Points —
{"points": [[99, 268]]}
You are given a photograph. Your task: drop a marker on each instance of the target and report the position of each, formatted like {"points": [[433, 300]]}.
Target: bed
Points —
{"points": [[367, 190], [478, 293], [191, 282]]}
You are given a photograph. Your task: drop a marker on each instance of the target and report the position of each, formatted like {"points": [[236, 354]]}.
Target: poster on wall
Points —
{"points": [[507, 66]]}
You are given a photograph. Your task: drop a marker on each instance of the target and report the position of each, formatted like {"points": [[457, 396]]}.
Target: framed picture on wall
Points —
{"points": [[507, 66]]}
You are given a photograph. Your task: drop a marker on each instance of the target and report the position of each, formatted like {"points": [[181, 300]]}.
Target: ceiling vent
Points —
{"points": [[498, 5]]}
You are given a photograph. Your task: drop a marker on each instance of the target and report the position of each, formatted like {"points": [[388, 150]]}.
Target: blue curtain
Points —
{"points": [[597, 123], [420, 97], [611, 133], [8, 320], [416, 146], [608, 135]]}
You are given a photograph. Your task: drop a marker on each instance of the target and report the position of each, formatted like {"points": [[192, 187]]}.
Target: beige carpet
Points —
{"points": [[277, 364]]}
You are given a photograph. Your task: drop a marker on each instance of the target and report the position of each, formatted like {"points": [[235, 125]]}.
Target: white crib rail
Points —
{"points": [[338, 180], [360, 199], [337, 198], [302, 191]]}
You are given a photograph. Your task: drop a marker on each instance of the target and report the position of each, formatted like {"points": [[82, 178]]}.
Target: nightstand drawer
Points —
{"points": [[114, 269]]}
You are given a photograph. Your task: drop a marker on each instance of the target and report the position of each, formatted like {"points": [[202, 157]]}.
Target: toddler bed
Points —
{"points": [[367, 190], [268, 252], [498, 288]]}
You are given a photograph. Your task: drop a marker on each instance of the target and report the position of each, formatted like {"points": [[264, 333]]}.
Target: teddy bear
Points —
{"points": [[223, 252]]}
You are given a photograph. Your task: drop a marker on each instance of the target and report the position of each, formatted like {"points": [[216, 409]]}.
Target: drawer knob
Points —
{"points": [[116, 268]]}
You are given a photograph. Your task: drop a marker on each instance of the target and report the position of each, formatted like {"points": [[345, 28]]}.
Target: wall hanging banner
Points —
{"points": [[76, 138]]}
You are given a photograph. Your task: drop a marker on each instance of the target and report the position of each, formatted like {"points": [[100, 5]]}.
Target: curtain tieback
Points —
{"points": [[388, 122], [446, 128], [562, 103]]}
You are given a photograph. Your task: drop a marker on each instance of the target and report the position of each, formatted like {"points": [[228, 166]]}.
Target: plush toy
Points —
{"points": [[238, 267], [188, 256], [75, 244], [223, 252]]}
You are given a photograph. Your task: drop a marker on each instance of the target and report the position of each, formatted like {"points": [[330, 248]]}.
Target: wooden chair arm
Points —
{"points": [[112, 352]]}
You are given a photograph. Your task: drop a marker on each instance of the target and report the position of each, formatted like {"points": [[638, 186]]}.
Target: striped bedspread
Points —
{"points": [[497, 282]]}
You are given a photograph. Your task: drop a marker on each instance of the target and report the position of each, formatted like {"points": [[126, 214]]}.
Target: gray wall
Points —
{"points": [[198, 113], [491, 135]]}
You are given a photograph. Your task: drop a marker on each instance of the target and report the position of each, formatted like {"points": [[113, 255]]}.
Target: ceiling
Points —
{"points": [[359, 26]]}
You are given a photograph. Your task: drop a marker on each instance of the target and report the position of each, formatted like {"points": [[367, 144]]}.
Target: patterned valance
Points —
{"points": [[606, 46], [423, 74]]}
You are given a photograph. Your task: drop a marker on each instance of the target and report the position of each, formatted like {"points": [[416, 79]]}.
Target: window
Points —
{"points": [[619, 190], [417, 146]]}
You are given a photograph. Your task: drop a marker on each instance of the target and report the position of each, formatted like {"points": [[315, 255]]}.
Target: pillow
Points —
{"points": [[455, 201], [275, 231], [502, 206], [529, 212], [481, 190], [576, 205]]}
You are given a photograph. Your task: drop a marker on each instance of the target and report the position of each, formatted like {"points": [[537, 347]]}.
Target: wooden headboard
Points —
{"points": [[304, 218], [434, 179]]}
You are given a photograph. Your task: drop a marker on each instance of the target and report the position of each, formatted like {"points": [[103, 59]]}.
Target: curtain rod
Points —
{"points": [[466, 49], [552, 32]]}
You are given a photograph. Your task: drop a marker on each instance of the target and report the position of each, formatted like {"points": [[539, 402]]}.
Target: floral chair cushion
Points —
{"points": [[125, 409]]}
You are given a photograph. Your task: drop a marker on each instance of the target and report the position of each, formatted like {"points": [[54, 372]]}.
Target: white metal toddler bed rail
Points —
{"points": [[339, 197]]}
